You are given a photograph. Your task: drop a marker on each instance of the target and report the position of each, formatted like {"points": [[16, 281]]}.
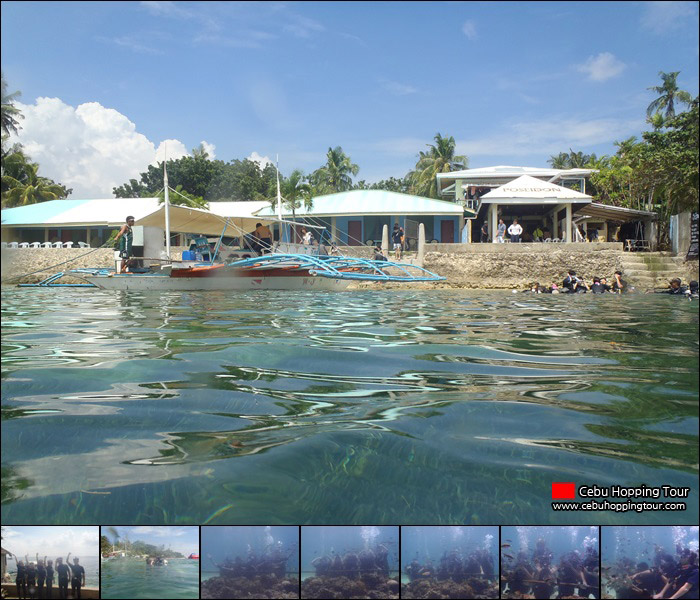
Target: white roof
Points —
{"points": [[528, 190], [194, 220], [505, 171]]}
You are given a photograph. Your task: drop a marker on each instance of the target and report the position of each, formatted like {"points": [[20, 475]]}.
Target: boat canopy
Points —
{"points": [[184, 219]]}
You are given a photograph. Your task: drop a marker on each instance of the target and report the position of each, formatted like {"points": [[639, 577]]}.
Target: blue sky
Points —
{"points": [[181, 539], [105, 84], [51, 541]]}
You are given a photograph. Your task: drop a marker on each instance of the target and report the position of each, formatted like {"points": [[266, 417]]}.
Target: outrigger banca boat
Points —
{"points": [[288, 266]]}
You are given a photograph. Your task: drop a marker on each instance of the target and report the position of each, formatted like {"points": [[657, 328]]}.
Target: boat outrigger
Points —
{"points": [[287, 265]]}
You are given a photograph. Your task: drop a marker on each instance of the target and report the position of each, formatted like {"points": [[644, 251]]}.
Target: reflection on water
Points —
{"points": [[362, 407]]}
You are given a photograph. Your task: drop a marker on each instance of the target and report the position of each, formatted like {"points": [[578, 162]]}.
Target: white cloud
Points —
{"points": [[262, 161], [91, 148], [169, 150], [602, 67], [549, 137], [302, 27], [210, 149], [665, 17], [469, 29], [396, 88]]}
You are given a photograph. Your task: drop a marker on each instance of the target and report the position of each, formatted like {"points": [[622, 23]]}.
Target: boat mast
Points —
{"points": [[167, 210], [279, 195]]}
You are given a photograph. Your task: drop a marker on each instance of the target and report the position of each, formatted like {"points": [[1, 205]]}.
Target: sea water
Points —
{"points": [[375, 406], [133, 578]]}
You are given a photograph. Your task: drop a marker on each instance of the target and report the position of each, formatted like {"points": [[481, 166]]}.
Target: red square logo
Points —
{"points": [[564, 491]]}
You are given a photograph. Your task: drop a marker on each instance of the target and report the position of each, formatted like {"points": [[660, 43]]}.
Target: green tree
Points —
{"points": [[179, 197], [29, 188], [669, 94], [440, 158], [295, 191], [335, 175], [392, 184], [571, 160], [10, 113]]}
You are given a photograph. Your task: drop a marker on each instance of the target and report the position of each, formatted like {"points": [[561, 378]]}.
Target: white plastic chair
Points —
{"points": [[13, 245], [3, 245], [67, 244], [47, 245], [35, 245], [57, 245], [24, 244], [83, 245]]}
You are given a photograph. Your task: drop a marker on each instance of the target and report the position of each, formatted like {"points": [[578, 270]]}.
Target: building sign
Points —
{"points": [[693, 248]]}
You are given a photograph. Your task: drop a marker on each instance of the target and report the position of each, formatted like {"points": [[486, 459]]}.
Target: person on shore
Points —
{"points": [[378, 254], [40, 576], [515, 231], [538, 234], [21, 579], [30, 572], [63, 571], [49, 578], [501, 231], [78, 579], [484, 232], [397, 240], [125, 237], [619, 285]]}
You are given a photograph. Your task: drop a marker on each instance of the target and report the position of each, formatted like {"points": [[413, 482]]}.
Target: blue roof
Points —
{"points": [[38, 213], [76, 213]]}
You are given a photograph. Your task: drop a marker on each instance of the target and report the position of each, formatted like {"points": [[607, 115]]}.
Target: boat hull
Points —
{"points": [[229, 280]]}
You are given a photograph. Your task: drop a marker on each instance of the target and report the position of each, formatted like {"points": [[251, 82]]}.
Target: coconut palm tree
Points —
{"points": [[440, 158], [180, 197], [668, 95], [334, 176], [10, 113], [30, 188], [295, 191]]}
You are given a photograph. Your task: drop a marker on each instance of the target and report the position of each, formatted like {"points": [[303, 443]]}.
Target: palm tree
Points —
{"points": [[334, 176], [295, 190], [440, 158], [183, 198], [669, 93], [571, 160], [10, 113], [30, 188]]}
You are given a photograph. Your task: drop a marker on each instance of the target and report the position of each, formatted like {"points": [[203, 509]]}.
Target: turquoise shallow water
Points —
{"points": [[383, 407], [132, 578]]}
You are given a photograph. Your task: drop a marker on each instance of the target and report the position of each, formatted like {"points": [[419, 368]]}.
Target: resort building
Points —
{"points": [[551, 200], [357, 217]]}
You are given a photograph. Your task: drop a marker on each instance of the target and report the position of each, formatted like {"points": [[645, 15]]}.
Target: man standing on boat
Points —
{"points": [[263, 238], [126, 238]]}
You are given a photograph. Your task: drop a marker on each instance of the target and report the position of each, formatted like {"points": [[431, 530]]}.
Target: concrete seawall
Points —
{"points": [[471, 266]]}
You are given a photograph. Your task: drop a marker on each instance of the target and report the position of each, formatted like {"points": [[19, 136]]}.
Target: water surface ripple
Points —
{"points": [[382, 407]]}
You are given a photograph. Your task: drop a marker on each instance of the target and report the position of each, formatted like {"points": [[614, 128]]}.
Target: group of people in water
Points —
{"points": [[535, 573], [667, 576], [35, 579], [272, 561], [454, 565], [573, 284], [354, 565]]}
